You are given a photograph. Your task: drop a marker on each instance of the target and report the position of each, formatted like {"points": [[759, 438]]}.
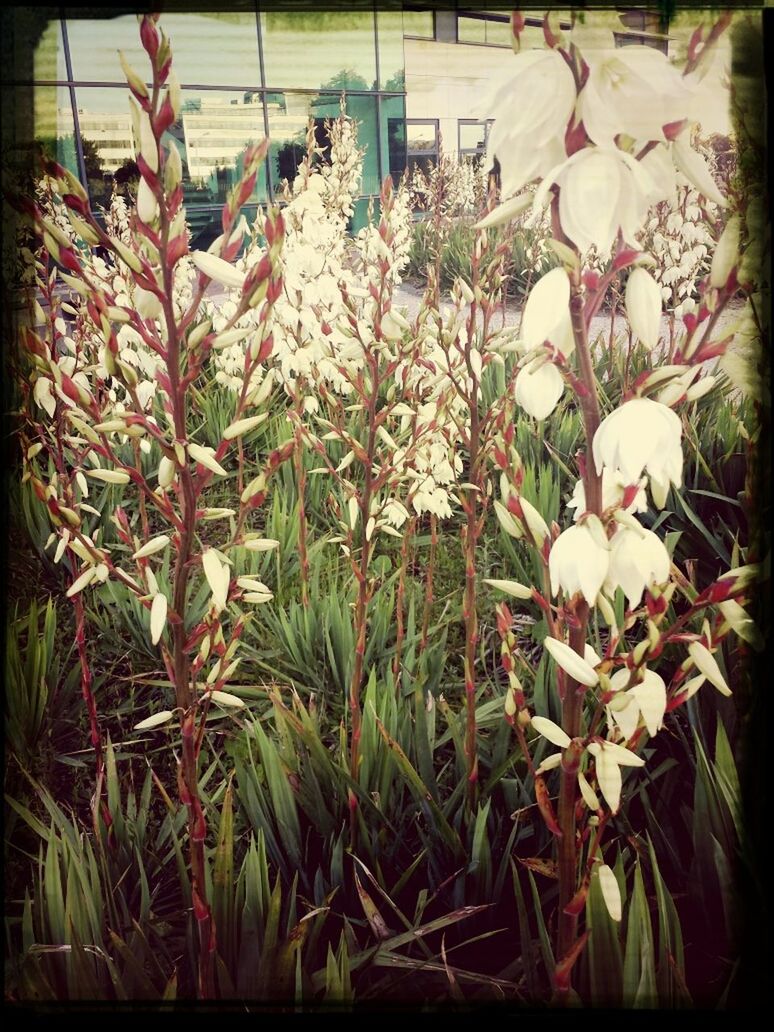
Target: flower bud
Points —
{"points": [[166, 473], [173, 169], [217, 269], [136, 85], [643, 306], [707, 664], [726, 256]]}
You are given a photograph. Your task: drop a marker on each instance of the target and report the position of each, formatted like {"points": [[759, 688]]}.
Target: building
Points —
{"points": [[412, 77]]}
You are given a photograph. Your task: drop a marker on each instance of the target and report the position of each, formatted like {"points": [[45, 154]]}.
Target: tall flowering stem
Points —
{"points": [[78, 381], [615, 128]]}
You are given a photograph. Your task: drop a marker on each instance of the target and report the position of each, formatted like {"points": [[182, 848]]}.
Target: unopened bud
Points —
{"points": [[726, 255]]}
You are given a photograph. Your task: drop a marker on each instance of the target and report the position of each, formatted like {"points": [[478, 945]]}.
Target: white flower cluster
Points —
{"points": [[345, 172], [678, 236], [371, 250], [323, 271], [450, 188]]}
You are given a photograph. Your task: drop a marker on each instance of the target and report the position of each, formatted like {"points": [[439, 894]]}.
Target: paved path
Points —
{"points": [[410, 296]]}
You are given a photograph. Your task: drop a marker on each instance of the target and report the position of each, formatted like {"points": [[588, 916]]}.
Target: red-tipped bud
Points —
{"points": [[591, 279], [694, 42], [504, 619], [625, 257], [150, 37], [575, 138], [630, 493], [164, 119], [177, 248], [673, 129]]}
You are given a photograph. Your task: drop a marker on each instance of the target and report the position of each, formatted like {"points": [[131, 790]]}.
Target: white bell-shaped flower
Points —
{"points": [[578, 562], [642, 436], [661, 169], [539, 386], [532, 105], [609, 758], [638, 560], [647, 699], [602, 191], [695, 169], [643, 306], [218, 577], [547, 313], [632, 90]]}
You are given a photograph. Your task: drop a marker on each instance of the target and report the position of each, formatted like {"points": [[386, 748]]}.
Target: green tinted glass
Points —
{"points": [[319, 49]]}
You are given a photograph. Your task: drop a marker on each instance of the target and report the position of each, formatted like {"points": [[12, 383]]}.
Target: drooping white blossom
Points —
{"points": [[695, 169], [218, 577], [630, 90], [643, 306], [707, 665], [547, 313], [647, 700], [532, 106], [568, 659], [602, 191], [638, 560], [578, 562], [611, 891], [539, 386], [609, 758], [642, 436], [548, 729]]}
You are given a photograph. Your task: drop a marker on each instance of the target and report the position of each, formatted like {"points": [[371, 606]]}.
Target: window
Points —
{"points": [[210, 48], [40, 119], [392, 74], [393, 121], [310, 50], [289, 115], [491, 29], [472, 137], [494, 30], [214, 129], [421, 143], [418, 23], [244, 75]]}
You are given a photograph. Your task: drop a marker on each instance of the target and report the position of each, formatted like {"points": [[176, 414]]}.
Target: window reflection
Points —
{"points": [[212, 134], [289, 115], [492, 29], [392, 74], [319, 49], [213, 48], [422, 144], [394, 136], [419, 23], [473, 136]]}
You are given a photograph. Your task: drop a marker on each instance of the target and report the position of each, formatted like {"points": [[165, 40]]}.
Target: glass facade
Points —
{"points": [[244, 75]]}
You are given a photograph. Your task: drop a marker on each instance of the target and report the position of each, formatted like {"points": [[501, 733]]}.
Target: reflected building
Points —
{"points": [[413, 78]]}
